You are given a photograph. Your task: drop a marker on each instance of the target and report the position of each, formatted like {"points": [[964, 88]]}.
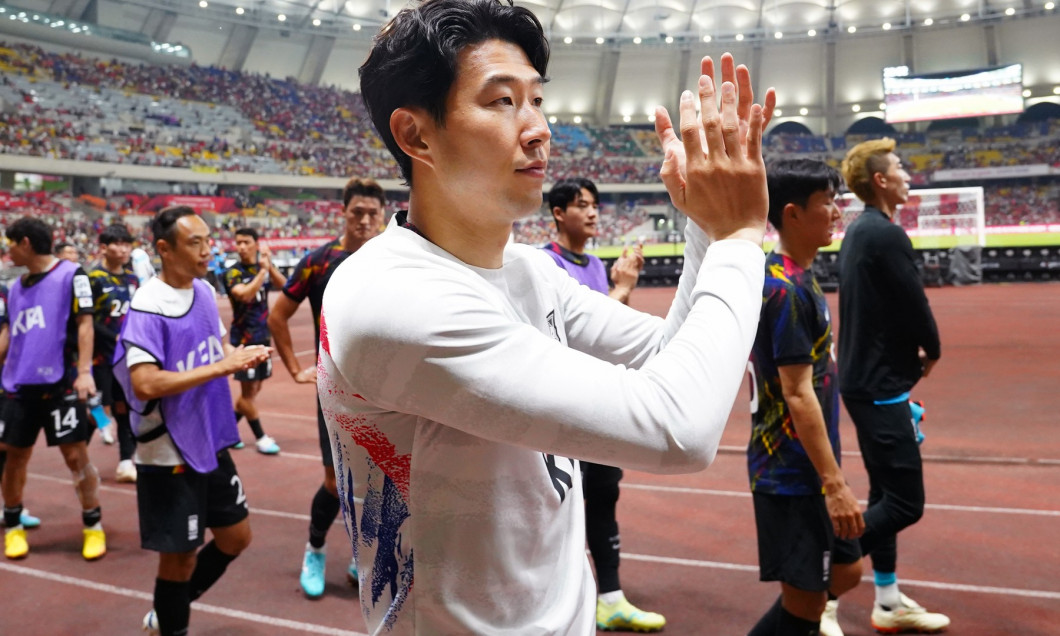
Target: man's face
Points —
{"points": [[117, 253], [895, 190], [578, 221], [69, 253], [493, 149], [21, 252], [818, 218], [246, 248], [364, 217], [190, 253]]}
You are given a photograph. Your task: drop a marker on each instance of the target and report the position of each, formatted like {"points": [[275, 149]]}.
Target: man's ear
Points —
{"points": [[879, 180], [790, 211], [557, 213], [408, 125]]}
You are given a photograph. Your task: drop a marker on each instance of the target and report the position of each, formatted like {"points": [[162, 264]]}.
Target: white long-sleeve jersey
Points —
{"points": [[459, 400]]}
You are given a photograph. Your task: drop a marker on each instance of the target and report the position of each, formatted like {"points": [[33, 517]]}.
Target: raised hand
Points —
{"points": [[713, 170], [626, 269]]}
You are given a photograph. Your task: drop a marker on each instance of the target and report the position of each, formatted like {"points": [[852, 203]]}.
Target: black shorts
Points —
{"points": [[324, 437], [176, 507], [255, 374], [108, 388], [796, 543], [63, 418]]}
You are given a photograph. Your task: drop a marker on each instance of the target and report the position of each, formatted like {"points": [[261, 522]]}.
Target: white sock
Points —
{"points": [[887, 595], [611, 598]]}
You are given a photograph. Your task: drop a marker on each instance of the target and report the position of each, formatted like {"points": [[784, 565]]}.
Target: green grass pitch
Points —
{"points": [[944, 242]]}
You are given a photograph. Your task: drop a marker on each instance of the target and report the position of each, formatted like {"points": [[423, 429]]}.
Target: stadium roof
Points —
{"points": [[651, 20]]}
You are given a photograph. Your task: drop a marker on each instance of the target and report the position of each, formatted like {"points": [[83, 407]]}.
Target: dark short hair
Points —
{"points": [[413, 60], [115, 233], [36, 230], [62, 245], [794, 180], [564, 192], [163, 226], [247, 231], [356, 187]]}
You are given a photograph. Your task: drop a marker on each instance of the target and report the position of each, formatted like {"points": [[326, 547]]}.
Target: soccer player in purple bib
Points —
{"points": [[463, 377], [47, 378], [248, 282], [807, 518], [363, 207], [172, 364], [28, 520], [575, 205]]}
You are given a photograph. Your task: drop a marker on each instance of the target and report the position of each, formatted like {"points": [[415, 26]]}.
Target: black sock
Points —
{"points": [[172, 607], [12, 516], [322, 514], [91, 517], [239, 416], [792, 625], [210, 564], [832, 597], [255, 427], [767, 625], [3, 461]]}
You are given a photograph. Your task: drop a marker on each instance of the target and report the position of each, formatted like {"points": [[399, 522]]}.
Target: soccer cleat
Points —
{"points": [[28, 521], [351, 573], [830, 620], [624, 616], [106, 435], [910, 616], [312, 578], [126, 473], [150, 624], [267, 446], [15, 544], [95, 544], [239, 446]]}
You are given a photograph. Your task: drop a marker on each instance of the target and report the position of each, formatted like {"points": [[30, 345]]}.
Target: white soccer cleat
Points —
{"points": [[909, 616]]}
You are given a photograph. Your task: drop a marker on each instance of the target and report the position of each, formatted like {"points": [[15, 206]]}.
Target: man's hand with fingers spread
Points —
{"points": [[713, 170]]}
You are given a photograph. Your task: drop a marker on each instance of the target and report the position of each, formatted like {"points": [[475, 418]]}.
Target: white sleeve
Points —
{"points": [[611, 331], [136, 355], [450, 355]]}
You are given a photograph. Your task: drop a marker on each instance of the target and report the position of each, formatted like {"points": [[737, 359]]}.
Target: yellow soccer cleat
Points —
{"points": [[623, 616], [15, 544], [95, 544]]}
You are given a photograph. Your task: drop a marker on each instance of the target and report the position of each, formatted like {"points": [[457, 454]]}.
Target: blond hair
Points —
{"points": [[862, 162]]}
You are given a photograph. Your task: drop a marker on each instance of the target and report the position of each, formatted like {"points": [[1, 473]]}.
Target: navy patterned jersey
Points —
{"points": [[249, 319], [112, 293], [795, 328], [311, 276]]}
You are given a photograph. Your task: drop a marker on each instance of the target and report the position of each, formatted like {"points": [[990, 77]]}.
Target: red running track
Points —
{"points": [[986, 552]]}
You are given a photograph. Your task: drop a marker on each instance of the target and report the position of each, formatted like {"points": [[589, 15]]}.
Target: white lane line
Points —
{"points": [[129, 491], [746, 494], [263, 619], [939, 585]]}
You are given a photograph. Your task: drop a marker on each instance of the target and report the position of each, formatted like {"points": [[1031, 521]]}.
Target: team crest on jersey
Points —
{"points": [[551, 318]]}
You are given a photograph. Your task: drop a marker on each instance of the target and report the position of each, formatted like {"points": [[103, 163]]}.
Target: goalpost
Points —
{"points": [[934, 218]]}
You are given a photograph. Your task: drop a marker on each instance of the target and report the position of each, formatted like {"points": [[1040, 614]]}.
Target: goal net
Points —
{"points": [[933, 218]]}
